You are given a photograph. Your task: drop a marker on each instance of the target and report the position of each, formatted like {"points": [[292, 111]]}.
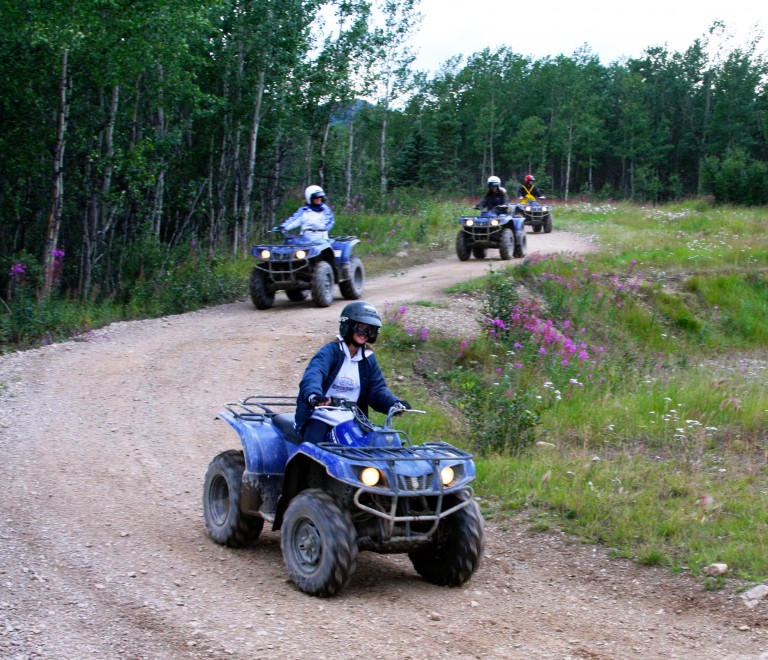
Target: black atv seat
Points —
{"points": [[285, 422]]}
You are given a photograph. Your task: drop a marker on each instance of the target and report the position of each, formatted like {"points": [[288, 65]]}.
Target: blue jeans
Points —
{"points": [[315, 431]]}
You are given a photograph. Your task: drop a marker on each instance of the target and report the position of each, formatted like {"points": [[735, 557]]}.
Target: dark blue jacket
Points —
{"points": [[322, 370], [492, 200]]}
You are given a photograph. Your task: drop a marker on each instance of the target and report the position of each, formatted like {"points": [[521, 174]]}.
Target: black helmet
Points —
{"points": [[359, 312]]}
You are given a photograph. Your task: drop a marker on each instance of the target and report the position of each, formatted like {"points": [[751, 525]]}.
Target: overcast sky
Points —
{"points": [[612, 30]]}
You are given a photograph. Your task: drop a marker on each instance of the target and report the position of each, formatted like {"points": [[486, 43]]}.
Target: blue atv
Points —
{"points": [[302, 267], [491, 229], [365, 488], [537, 215]]}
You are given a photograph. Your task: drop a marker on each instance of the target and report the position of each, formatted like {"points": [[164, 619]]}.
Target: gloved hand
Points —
{"points": [[400, 405], [476, 206], [315, 400]]}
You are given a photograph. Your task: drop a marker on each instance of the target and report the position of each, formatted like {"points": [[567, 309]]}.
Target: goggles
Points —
{"points": [[365, 330]]}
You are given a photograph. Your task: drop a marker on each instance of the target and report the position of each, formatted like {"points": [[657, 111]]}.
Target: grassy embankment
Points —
{"points": [[621, 396]]}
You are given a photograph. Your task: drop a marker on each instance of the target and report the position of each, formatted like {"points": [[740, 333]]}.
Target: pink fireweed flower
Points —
{"points": [[543, 351], [17, 270]]}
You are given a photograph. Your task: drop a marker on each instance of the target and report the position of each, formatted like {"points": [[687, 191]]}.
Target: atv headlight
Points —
{"points": [[545, 208], [468, 222], [370, 476], [265, 254], [494, 222], [300, 254], [446, 475], [528, 208]]}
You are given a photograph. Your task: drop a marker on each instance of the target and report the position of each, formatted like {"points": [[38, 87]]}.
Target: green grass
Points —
{"points": [[653, 441]]}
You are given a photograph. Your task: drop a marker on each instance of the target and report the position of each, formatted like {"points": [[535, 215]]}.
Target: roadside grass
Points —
{"points": [[408, 229], [622, 396]]}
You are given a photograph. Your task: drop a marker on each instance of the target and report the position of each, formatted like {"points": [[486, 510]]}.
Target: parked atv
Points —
{"points": [[303, 267], [365, 488], [537, 215], [491, 229]]}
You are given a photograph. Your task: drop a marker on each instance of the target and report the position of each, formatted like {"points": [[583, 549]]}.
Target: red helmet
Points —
{"points": [[530, 179]]}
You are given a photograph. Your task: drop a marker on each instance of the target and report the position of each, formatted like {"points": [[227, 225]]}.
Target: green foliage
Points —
{"points": [[190, 280], [736, 178], [500, 421]]}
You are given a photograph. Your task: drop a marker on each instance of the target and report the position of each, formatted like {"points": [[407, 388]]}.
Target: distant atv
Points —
{"points": [[303, 267], [537, 215], [491, 229], [365, 488]]}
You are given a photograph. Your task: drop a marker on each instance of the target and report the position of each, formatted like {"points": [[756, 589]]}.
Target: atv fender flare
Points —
{"points": [[344, 248], [302, 472], [265, 451]]}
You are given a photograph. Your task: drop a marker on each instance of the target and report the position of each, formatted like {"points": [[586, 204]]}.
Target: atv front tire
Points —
{"points": [[322, 284], [548, 224], [352, 288], [319, 543], [521, 246], [261, 296], [506, 244], [454, 553], [463, 249], [222, 490]]}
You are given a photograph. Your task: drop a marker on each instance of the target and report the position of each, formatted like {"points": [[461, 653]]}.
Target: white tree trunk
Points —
{"points": [[57, 193]]}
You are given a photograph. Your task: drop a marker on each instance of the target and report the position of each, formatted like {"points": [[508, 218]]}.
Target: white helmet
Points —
{"points": [[313, 191], [494, 181]]}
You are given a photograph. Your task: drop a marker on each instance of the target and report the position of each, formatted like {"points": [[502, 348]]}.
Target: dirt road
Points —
{"points": [[104, 554]]}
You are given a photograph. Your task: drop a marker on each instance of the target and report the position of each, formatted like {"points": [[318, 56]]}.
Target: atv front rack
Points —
{"points": [[429, 451]]}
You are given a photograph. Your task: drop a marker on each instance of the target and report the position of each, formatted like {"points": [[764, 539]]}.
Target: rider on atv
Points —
{"points": [[346, 369], [495, 196], [315, 217], [529, 191]]}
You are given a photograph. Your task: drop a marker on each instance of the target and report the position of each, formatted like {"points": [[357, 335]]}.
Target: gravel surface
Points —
{"points": [[104, 553]]}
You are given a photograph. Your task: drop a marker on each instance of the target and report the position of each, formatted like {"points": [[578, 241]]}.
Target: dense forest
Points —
{"points": [[131, 127]]}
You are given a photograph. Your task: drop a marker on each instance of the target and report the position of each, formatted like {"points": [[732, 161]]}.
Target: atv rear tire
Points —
{"points": [[319, 543], [463, 249], [479, 252], [536, 229], [261, 296], [322, 284], [455, 551], [521, 246], [353, 288], [296, 295], [506, 244], [222, 490]]}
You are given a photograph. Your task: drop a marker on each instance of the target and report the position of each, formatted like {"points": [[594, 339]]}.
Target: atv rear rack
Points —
{"points": [[257, 408]]}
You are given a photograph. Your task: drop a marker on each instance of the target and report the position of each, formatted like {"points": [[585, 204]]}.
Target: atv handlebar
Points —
{"points": [[344, 404]]}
